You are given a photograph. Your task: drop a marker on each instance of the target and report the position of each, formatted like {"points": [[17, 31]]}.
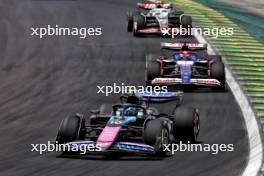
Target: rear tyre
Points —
{"points": [[218, 73], [106, 108], [152, 69], [175, 12], [156, 132], [130, 21], [186, 124], [218, 58]]}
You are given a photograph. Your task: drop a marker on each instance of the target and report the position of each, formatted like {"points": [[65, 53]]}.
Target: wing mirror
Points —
{"points": [[95, 111]]}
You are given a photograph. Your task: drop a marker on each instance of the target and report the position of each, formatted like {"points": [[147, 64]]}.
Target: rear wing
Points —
{"points": [[149, 6], [185, 46], [153, 96], [160, 96], [146, 98]]}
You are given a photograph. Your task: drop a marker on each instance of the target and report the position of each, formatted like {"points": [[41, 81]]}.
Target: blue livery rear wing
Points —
{"points": [[160, 96]]}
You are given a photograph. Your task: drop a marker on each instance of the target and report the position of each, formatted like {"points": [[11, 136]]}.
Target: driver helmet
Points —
{"points": [[193, 57], [130, 111], [159, 4], [177, 57], [140, 114], [133, 100], [119, 113]]}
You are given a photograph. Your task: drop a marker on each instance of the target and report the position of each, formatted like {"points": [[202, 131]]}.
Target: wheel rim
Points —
{"points": [[146, 70], [196, 127], [165, 136]]}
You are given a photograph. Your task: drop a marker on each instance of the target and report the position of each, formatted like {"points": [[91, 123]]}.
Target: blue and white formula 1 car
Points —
{"points": [[185, 64], [132, 126]]}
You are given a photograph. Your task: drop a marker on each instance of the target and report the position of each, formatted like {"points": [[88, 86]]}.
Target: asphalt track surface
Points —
{"points": [[41, 80]]}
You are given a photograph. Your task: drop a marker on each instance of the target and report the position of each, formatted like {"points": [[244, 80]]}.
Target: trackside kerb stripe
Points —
{"points": [[244, 58], [256, 150]]}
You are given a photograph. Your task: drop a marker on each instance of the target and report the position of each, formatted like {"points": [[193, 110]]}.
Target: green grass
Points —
{"points": [[244, 55]]}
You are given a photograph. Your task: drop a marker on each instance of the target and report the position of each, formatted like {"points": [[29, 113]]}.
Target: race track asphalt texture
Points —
{"points": [[42, 80]]}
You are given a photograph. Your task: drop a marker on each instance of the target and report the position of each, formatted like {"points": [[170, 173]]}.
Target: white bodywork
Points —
{"points": [[161, 15]]}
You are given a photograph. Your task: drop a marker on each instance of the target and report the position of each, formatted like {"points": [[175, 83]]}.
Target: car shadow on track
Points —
{"points": [[193, 89], [113, 157], [117, 156]]}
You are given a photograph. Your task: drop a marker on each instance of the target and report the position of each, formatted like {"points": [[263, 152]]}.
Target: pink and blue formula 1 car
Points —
{"points": [[132, 126]]}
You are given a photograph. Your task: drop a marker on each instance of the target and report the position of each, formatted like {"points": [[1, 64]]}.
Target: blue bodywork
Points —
{"points": [[158, 96], [191, 57], [134, 147], [124, 114], [186, 69], [125, 120], [186, 72]]}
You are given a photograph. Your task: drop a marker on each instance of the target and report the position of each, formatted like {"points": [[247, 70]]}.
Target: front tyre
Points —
{"points": [[71, 129], [218, 73], [157, 134], [139, 22]]}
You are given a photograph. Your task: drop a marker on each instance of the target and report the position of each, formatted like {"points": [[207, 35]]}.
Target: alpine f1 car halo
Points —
{"points": [[185, 64], [133, 126], [154, 18]]}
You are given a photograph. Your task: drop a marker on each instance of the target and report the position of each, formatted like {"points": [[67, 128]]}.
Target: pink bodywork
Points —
{"points": [[107, 137], [152, 5]]}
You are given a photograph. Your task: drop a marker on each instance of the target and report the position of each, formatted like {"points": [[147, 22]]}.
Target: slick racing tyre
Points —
{"points": [[218, 73], [71, 129], [217, 58], [140, 20], [152, 69], [186, 21], [106, 108], [175, 12], [157, 134], [186, 124], [138, 23], [130, 21]]}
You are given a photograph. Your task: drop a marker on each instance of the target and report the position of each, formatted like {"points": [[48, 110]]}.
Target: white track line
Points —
{"points": [[255, 142]]}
